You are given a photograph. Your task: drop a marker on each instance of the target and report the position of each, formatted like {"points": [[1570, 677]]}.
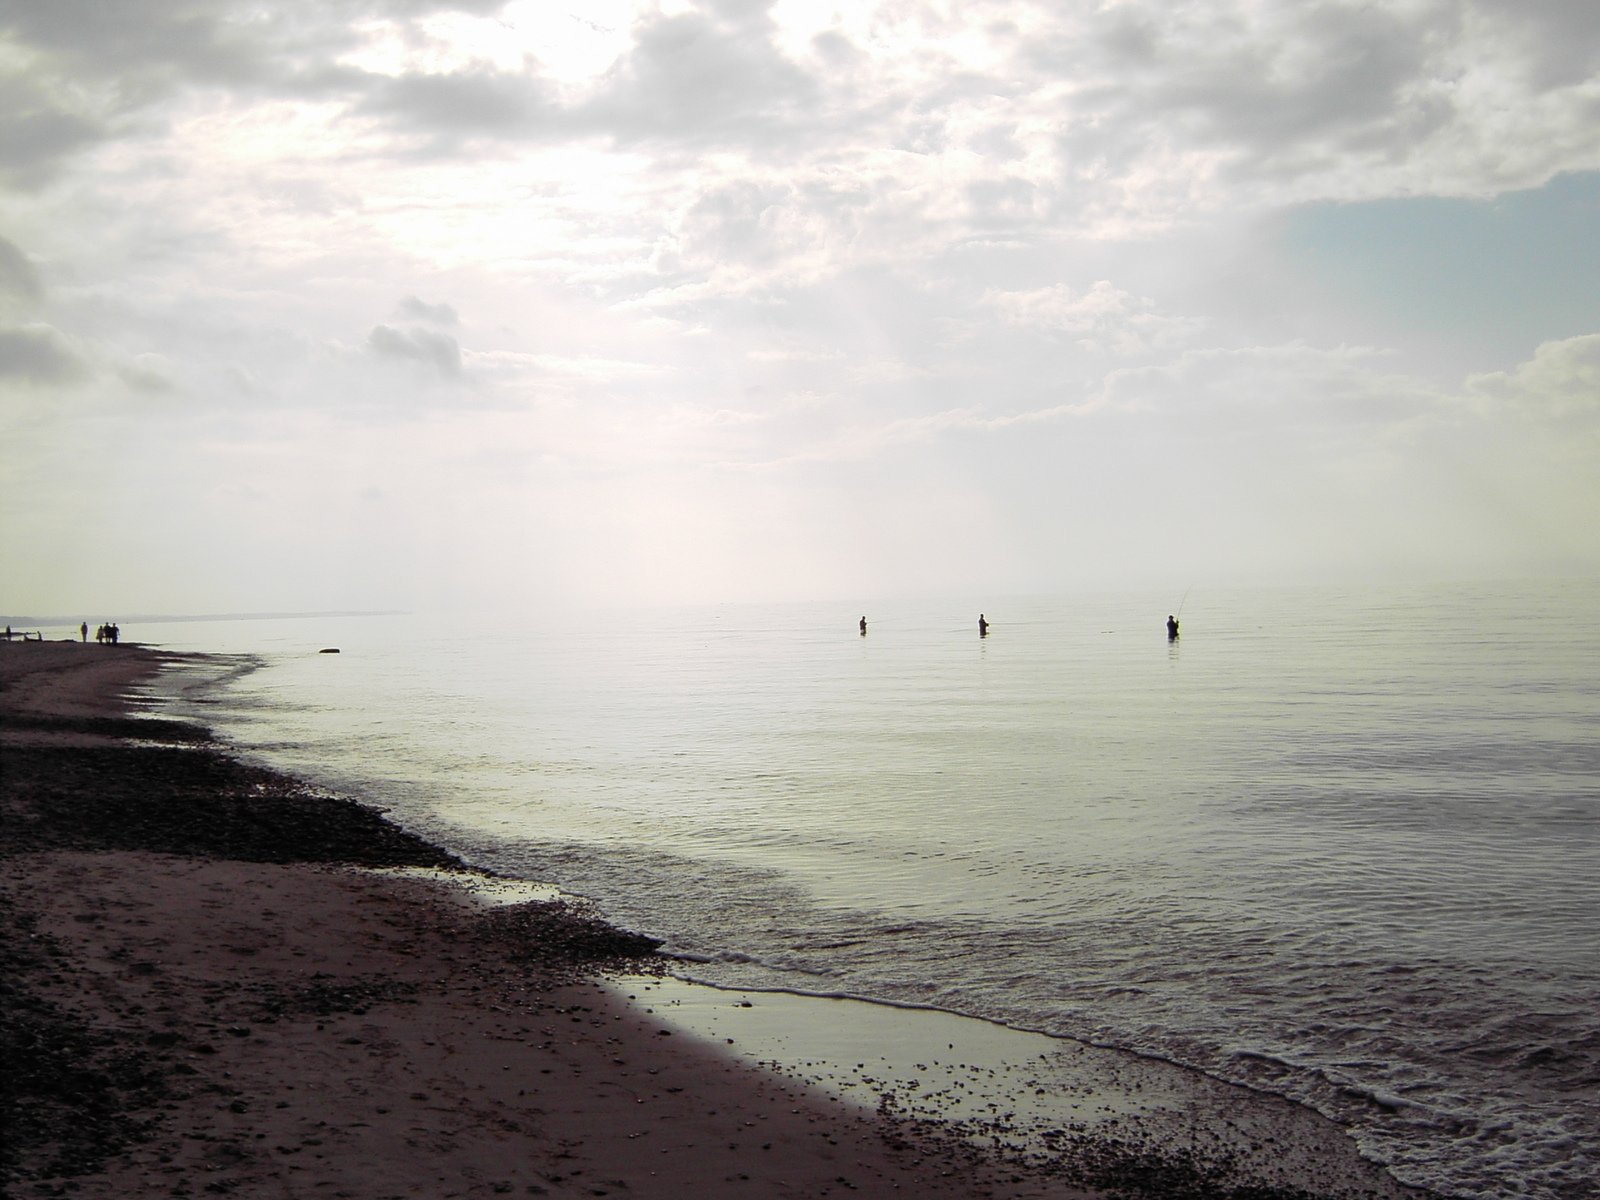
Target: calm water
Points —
{"points": [[1342, 846]]}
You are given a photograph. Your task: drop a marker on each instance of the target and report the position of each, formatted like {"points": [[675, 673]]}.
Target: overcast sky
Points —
{"points": [[405, 303]]}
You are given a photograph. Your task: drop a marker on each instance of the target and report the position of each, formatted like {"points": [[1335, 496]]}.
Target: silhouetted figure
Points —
{"points": [[83, 631], [863, 627], [983, 626], [1172, 628], [116, 633]]}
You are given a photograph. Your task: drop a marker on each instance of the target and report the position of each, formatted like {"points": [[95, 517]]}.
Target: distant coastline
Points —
{"points": [[177, 618]]}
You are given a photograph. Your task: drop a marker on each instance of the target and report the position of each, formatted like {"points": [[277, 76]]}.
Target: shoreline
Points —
{"points": [[211, 999]]}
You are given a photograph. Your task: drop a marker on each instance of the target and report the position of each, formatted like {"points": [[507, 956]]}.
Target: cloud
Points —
{"points": [[92, 72], [437, 350], [1561, 382], [450, 109], [149, 374], [1298, 77], [149, 49], [39, 134], [436, 314], [1102, 318], [1558, 41], [1340, 393], [20, 285], [86, 71], [159, 42], [698, 78], [1014, 117], [38, 354], [1178, 102]]}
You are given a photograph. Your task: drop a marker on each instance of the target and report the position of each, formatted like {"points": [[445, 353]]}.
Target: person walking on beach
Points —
{"points": [[83, 632], [983, 625]]}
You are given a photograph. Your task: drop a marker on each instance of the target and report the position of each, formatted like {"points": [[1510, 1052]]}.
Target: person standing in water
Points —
{"points": [[983, 625], [1172, 628], [863, 627]]}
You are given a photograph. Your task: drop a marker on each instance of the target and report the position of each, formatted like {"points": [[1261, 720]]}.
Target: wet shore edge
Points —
{"points": [[205, 989]]}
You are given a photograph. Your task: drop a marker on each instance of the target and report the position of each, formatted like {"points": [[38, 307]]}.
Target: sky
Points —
{"points": [[377, 304]]}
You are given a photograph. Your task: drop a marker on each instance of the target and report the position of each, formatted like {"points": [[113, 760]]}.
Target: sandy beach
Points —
{"points": [[208, 990]]}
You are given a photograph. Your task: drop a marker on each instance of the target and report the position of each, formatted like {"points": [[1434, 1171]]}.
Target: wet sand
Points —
{"points": [[202, 991]]}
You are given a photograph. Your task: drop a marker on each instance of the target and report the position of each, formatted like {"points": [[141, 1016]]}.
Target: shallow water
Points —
{"points": [[1341, 846]]}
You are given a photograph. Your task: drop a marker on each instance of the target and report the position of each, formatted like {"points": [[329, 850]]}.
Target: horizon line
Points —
{"points": [[175, 618]]}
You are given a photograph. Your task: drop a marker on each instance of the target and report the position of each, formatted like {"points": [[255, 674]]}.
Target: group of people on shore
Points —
{"points": [[107, 635]]}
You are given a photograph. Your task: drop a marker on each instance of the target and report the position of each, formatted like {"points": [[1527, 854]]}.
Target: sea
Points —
{"points": [[1340, 845]]}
